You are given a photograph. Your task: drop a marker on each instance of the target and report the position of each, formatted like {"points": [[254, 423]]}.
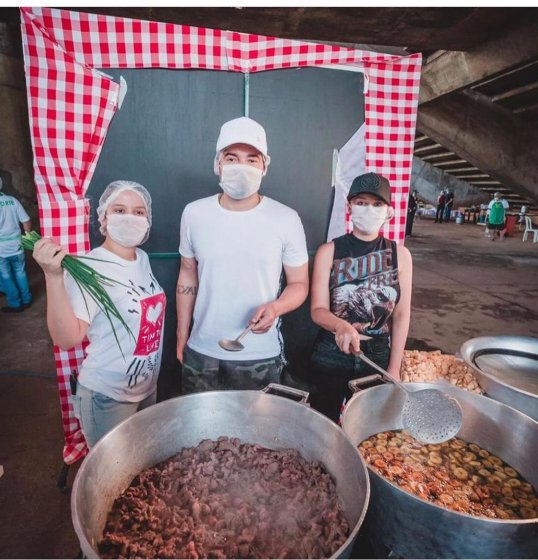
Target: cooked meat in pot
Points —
{"points": [[225, 499]]}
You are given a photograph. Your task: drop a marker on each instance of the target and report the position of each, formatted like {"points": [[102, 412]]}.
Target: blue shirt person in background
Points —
{"points": [[13, 279]]}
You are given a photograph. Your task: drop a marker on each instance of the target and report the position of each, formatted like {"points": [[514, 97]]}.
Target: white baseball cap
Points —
{"points": [[242, 131]]}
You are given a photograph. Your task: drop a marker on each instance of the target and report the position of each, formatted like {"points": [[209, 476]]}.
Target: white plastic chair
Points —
{"points": [[530, 229]]}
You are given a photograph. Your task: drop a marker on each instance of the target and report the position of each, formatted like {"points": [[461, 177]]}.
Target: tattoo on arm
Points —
{"points": [[186, 290]]}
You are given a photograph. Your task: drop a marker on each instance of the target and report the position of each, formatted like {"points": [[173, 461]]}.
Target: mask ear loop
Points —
{"points": [[390, 215]]}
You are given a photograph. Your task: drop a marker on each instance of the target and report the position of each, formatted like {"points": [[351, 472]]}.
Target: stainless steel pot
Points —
{"points": [[404, 526], [160, 431], [506, 368]]}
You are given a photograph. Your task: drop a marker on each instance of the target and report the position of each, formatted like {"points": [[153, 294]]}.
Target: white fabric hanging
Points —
{"points": [[350, 163]]}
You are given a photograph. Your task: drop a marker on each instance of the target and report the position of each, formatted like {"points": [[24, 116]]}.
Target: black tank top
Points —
{"points": [[364, 287]]}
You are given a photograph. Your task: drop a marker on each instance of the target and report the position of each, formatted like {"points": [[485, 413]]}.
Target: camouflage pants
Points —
{"points": [[203, 373]]}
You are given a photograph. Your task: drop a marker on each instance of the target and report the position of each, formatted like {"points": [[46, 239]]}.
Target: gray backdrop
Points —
{"points": [[164, 137]]}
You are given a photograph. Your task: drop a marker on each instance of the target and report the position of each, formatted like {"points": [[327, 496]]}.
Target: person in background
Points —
{"points": [[233, 248], [360, 297], [496, 216], [441, 200], [521, 220], [118, 377], [449, 203], [13, 278], [412, 205]]}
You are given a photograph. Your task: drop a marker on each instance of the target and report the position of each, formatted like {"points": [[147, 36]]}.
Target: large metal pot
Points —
{"points": [[404, 526], [158, 432], [507, 369]]}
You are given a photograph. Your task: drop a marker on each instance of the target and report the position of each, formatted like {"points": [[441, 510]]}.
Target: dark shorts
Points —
{"points": [[331, 370], [499, 227], [203, 373]]}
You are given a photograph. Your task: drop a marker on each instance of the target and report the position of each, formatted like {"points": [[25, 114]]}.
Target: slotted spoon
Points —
{"points": [[428, 414]]}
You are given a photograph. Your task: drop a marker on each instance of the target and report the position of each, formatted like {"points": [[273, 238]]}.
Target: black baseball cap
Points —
{"points": [[370, 183]]}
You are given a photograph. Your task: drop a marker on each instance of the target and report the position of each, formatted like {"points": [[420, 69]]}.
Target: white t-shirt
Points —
{"points": [[141, 302], [12, 214], [240, 257]]}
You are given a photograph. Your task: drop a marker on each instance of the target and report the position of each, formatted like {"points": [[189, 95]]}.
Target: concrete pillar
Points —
{"points": [[450, 71], [16, 168], [428, 180], [487, 136]]}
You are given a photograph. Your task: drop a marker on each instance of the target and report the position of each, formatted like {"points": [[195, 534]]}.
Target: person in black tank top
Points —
{"points": [[361, 298]]}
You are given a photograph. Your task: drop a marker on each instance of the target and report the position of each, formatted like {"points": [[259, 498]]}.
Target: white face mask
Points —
{"points": [[369, 219], [127, 230], [240, 181]]}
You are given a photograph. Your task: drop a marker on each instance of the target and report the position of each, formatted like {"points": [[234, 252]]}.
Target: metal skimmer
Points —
{"points": [[428, 415]]}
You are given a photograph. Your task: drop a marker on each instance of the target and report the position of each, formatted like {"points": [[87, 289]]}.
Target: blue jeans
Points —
{"points": [[331, 370], [14, 280], [98, 414]]}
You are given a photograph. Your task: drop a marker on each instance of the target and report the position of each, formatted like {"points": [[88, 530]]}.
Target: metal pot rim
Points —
{"points": [[440, 384], [493, 378]]}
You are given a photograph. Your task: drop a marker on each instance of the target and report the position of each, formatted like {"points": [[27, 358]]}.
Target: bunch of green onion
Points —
{"points": [[88, 280]]}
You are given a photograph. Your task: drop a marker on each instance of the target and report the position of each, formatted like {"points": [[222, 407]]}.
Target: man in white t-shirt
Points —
{"points": [[233, 248], [13, 278]]}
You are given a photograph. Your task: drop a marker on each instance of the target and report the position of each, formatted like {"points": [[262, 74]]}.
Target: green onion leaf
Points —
{"points": [[90, 281]]}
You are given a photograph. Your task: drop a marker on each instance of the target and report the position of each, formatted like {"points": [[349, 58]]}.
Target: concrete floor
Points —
{"points": [[464, 286]]}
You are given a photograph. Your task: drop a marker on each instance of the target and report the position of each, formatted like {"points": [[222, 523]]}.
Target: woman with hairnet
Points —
{"points": [[113, 382]]}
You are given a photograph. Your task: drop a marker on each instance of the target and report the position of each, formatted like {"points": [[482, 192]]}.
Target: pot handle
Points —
{"points": [[285, 391], [356, 384]]}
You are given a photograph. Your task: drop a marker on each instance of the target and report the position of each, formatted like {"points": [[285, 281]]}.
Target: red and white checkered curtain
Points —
{"points": [[71, 105]]}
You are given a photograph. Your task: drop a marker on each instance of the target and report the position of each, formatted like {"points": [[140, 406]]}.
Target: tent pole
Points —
{"points": [[247, 92]]}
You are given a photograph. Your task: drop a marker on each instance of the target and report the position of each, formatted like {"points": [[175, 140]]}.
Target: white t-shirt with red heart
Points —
{"points": [[129, 374]]}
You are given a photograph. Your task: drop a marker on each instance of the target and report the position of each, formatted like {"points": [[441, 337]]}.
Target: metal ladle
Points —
{"points": [[235, 345], [428, 414]]}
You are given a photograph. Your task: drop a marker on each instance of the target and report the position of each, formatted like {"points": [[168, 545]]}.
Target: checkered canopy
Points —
{"points": [[71, 105]]}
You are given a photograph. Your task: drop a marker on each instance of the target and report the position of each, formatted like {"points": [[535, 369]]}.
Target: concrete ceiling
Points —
{"points": [[479, 92], [478, 113], [417, 29]]}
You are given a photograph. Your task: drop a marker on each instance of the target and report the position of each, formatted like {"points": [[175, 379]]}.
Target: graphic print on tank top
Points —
{"points": [[364, 288], [151, 308]]}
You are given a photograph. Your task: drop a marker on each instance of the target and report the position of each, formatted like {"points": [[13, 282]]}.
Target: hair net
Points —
{"points": [[111, 193]]}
